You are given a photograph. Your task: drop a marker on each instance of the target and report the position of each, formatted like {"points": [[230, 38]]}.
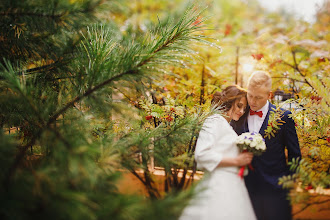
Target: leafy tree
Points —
{"points": [[297, 58], [294, 52]]}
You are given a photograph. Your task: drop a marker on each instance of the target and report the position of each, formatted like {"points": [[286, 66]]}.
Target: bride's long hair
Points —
{"points": [[224, 100]]}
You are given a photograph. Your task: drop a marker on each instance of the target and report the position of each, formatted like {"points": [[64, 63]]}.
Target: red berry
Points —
{"points": [[169, 118], [309, 187], [148, 117], [228, 29], [257, 56]]}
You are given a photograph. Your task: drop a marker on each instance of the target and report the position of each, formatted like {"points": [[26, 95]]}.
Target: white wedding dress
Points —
{"points": [[221, 194]]}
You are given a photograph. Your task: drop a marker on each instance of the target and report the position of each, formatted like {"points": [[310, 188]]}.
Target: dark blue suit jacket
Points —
{"points": [[272, 164]]}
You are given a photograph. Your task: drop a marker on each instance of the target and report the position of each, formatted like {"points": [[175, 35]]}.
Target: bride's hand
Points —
{"points": [[244, 158]]}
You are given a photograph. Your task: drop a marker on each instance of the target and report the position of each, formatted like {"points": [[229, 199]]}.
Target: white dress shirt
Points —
{"points": [[255, 122]]}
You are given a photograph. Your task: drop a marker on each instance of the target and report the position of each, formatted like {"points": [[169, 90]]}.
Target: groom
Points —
{"points": [[268, 198]]}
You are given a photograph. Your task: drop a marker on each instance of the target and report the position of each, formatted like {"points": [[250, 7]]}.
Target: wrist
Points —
{"points": [[236, 162]]}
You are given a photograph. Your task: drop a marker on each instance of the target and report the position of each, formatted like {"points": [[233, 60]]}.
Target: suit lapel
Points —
{"points": [[265, 123], [246, 126]]}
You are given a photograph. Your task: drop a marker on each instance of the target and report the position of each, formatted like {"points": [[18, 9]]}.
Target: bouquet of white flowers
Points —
{"points": [[250, 142]]}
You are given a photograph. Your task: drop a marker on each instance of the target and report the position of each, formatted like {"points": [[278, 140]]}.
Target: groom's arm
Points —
{"points": [[290, 137], [237, 126]]}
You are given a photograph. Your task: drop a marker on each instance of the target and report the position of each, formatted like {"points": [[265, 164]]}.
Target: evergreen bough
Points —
{"points": [[57, 75]]}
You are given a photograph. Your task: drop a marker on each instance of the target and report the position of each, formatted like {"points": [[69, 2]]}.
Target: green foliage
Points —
{"points": [[275, 121], [311, 173], [57, 92], [166, 138], [79, 80], [294, 52]]}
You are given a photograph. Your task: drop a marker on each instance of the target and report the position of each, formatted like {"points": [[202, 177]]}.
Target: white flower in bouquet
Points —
{"points": [[251, 142]]}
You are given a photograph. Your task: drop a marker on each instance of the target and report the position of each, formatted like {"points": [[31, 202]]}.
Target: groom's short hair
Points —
{"points": [[260, 78]]}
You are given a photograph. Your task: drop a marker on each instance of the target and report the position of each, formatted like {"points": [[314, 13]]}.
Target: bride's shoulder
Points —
{"points": [[216, 118]]}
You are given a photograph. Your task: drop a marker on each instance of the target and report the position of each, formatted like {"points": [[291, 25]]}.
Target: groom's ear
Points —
{"points": [[271, 95]]}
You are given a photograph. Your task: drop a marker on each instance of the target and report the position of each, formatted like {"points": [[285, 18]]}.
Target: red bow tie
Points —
{"points": [[259, 113]]}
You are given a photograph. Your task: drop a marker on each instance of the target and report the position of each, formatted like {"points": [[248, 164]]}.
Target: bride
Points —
{"points": [[222, 193]]}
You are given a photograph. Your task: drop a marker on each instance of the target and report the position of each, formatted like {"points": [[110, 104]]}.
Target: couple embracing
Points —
{"points": [[224, 195]]}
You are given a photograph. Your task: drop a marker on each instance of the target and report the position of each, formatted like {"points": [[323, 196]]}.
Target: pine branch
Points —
{"points": [[32, 14], [190, 149], [23, 150], [180, 33], [18, 159], [87, 93], [135, 104], [52, 15], [40, 68]]}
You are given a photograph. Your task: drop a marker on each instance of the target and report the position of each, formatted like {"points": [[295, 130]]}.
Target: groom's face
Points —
{"points": [[257, 97]]}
